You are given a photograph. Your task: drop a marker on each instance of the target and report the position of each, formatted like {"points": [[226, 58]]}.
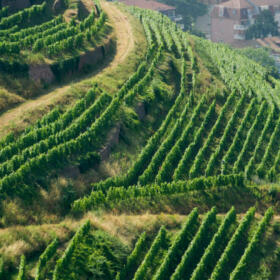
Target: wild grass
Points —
{"points": [[8, 100]]}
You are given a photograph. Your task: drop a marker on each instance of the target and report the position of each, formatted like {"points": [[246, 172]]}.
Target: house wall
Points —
{"points": [[222, 30]]}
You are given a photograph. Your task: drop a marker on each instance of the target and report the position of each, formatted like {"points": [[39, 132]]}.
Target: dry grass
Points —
{"points": [[8, 100], [128, 227], [30, 240]]}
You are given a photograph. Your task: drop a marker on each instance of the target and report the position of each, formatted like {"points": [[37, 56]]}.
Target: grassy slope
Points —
{"points": [[31, 240], [9, 100]]}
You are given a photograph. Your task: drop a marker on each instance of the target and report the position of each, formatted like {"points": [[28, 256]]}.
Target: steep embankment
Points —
{"points": [[21, 115]]}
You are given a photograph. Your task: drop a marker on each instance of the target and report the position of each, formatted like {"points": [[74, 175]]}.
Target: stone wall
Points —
{"points": [[222, 30], [95, 56], [41, 73]]}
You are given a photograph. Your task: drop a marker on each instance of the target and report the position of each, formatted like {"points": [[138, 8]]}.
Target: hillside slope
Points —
{"points": [[19, 116], [168, 122]]}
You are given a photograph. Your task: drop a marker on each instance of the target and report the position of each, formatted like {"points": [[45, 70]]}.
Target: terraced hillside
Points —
{"points": [[206, 247], [164, 122], [44, 44], [229, 132]]}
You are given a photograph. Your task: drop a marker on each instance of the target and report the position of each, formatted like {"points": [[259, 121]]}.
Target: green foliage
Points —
{"points": [[24, 15], [58, 145], [15, 36], [114, 194], [262, 168], [194, 147], [264, 25], [45, 257], [35, 135], [173, 157], [4, 12], [261, 56], [196, 248], [159, 242], [249, 169], [149, 174], [178, 247], [64, 260], [195, 170], [189, 9], [238, 72], [2, 272], [21, 271], [88, 161], [134, 259], [140, 164], [251, 137], [240, 270], [237, 143], [222, 268], [211, 254], [224, 142]]}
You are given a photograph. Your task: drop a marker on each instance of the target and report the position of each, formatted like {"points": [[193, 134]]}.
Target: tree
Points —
{"points": [[261, 56], [264, 25]]}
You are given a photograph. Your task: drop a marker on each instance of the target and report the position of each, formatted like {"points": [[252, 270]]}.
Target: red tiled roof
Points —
{"points": [[244, 4], [236, 4], [146, 4]]}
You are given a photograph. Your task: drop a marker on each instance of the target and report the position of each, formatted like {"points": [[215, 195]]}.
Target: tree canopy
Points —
{"points": [[264, 25]]}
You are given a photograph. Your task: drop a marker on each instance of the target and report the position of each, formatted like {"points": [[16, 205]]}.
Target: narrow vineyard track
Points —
{"points": [[125, 44]]}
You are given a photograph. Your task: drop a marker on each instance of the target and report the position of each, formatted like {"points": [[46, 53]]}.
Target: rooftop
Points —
{"points": [[243, 4], [236, 4]]}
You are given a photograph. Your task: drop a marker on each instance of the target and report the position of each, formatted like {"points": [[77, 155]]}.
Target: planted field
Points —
{"points": [[206, 247], [51, 37], [201, 136]]}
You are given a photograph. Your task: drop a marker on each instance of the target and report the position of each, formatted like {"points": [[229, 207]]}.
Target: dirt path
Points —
{"points": [[125, 44]]}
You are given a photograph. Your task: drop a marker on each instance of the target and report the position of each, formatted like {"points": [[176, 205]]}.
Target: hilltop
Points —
{"points": [[118, 122]]}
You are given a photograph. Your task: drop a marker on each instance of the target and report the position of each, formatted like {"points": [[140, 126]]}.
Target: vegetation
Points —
{"points": [[261, 56], [264, 25], [191, 128], [189, 10]]}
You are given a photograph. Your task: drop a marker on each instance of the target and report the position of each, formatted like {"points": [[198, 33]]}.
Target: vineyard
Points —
{"points": [[45, 44], [205, 248], [51, 37], [201, 136], [189, 124]]}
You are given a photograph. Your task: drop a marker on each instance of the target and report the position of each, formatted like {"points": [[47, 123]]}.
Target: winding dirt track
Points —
{"points": [[125, 44]]}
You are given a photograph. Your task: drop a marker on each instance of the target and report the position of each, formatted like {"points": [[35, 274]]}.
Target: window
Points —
{"points": [[264, 7], [221, 11]]}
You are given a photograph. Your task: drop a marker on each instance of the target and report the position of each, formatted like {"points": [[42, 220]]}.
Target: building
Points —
{"points": [[231, 19], [167, 10]]}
